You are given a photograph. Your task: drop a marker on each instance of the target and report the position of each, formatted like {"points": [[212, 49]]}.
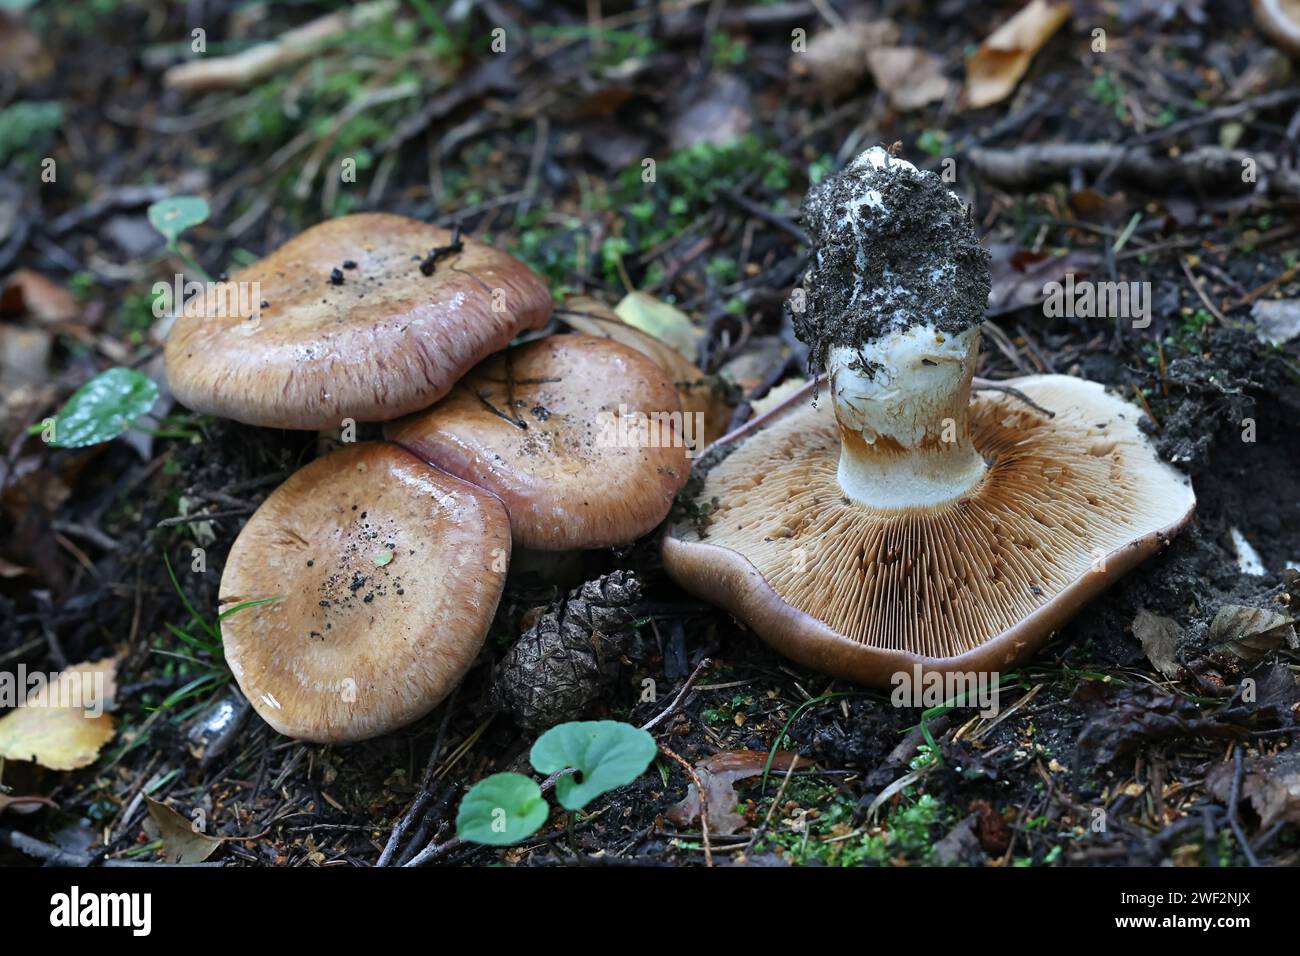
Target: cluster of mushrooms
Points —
{"points": [[387, 559], [877, 520]]}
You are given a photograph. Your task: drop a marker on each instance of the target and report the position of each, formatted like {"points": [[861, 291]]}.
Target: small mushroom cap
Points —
{"points": [[551, 427], [1068, 505], [701, 395], [341, 323], [388, 573]]}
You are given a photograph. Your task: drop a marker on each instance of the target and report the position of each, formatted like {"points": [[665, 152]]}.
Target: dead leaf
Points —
{"points": [[665, 322], [961, 845], [718, 775], [1159, 637], [910, 76], [1124, 720], [29, 293], [63, 737], [1271, 786], [836, 58], [718, 114], [1020, 275], [24, 356], [1249, 633], [993, 70], [182, 843]]}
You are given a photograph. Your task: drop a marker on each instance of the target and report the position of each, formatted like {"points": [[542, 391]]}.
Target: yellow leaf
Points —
{"points": [[663, 321], [62, 724], [993, 70]]}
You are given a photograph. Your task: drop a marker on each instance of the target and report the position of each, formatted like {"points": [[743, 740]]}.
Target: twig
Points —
{"points": [[211, 516], [676, 704], [704, 802], [426, 793], [1196, 287], [1233, 796], [984, 385], [251, 65]]}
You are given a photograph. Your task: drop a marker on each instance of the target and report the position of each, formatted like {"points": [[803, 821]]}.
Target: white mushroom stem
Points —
{"points": [[902, 402]]}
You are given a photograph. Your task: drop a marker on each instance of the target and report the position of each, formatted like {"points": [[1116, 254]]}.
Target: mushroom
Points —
{"points": [[705, 398], [1280, 21], [897, 524], [381, 576], [367, 317], [580, 437]]}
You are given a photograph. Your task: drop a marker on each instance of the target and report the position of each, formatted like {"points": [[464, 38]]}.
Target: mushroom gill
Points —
{"points": [[1061, 496]]}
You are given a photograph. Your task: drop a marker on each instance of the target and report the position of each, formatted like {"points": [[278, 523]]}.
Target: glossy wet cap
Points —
{"points": [[577, 435], [342, 322], [385, 573]]}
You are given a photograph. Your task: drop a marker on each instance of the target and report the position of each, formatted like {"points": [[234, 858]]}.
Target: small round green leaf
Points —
{"points": [[606, 753], [173, 216], [501, 810], [103, 408]]}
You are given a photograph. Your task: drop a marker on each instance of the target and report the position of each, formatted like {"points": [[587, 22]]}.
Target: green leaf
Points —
{"points": [[501, 810], [103, 408], [173, 216], [606, 753], [26, 125]]}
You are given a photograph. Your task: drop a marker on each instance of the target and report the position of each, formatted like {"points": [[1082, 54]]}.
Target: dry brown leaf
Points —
{"points": [[1249, 633], [30, 293], [1271, 786], [718, 775], [63, 737], [910, 76], [993, 70], [836, 58], [1159, 637], [182, 843]]}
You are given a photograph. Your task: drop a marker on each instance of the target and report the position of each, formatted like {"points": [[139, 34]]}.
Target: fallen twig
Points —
{"points": [[246, 68]]}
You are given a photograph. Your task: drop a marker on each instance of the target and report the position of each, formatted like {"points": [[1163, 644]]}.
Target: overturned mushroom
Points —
{"points": [[368, 317], [897, 523], [382, 574], [580, 437]]}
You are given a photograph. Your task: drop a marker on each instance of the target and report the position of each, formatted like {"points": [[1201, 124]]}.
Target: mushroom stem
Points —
{"points": [[902, 402]]}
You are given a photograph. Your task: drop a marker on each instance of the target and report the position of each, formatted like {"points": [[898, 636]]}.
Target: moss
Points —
{"points": [[904, 836]]}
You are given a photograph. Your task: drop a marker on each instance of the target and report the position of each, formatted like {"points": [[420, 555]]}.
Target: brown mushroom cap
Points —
{"points": [[1068, 505], [700, 394], [1280, 20], [351, 327], [538, 425], [388, 573]]}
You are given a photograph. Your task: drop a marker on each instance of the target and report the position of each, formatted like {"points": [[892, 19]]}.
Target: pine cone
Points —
{"points": [[562, 663]]}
